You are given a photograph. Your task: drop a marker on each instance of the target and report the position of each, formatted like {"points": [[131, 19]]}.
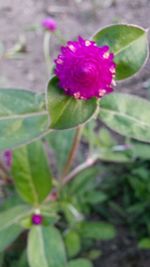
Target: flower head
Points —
{"points": [[85, 70], [37, 219], [49, 24]]}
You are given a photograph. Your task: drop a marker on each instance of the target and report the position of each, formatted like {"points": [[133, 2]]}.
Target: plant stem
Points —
{"points": [[5, 173], [73, 151], [88, 163], [46, 50]]}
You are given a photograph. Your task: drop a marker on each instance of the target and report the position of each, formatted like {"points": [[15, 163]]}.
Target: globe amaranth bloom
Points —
{"points": [[49, 24], [85, 70]]}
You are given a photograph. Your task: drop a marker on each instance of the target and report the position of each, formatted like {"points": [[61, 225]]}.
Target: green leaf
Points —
{"points": [[94, 254], [65, 111], [9, 224], [9, 235], [84, 181], [129, 44], [95, 197], [105, 146], [60, 142], [144, 243], [31, 173], [1, 259], [140, 150], [13, 216], [97, 230], [22, 262], [106, 139], [113, 155], [23, 117], [11, 201], [80, 262], [72, 214], [45, 247], [50, 209], [72, 242], [127, 115]]}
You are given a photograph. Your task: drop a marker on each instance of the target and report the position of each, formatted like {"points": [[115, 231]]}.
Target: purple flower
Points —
{"points": [[37, 219], [49, 24], [7, 156], [85, 70]]}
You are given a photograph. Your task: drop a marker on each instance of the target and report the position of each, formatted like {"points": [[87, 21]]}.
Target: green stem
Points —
{"points": [[4, 172], [73, 151], [46, 50]]}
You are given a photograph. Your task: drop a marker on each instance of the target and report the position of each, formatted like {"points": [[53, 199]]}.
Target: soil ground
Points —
{"points": [[122, 252], [29, 71]]}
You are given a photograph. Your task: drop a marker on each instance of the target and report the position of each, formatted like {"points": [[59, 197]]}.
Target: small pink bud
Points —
{"points": [[37, 219], [7, 156], [49, 24]]}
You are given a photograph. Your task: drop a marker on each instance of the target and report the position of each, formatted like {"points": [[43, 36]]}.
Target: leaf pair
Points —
{"points": [[46, 249]]}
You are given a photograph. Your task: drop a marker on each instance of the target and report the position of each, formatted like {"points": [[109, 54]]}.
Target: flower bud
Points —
{"points": [[49, 24], [7, 156], [37, 219]]}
